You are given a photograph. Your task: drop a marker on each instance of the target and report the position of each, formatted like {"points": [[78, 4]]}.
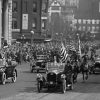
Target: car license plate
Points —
{"points": [[51, 82]]}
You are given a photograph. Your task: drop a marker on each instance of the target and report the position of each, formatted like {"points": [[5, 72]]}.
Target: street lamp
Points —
{"points": [[79, 45], [22, 38], [61, 37], [32, 33]]}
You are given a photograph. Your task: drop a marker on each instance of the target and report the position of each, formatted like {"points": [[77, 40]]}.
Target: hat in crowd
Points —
{"points": [[68, 62]]}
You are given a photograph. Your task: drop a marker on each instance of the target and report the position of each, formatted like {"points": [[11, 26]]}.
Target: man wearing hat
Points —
{"points": [[68, 72]]}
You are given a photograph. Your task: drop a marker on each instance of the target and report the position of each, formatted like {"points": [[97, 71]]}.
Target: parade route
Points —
{"points": [[25, 88]]}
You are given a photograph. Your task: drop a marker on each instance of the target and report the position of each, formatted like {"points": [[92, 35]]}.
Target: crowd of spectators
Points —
{"points": [[22, 53]]}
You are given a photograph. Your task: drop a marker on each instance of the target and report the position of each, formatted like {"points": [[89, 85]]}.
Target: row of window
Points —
{"points": [[93, 28], [25, 5], [72, 2], [84, 21], [15, 6], [34, 23]]}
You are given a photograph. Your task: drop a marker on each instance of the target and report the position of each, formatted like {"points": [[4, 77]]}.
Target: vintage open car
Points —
{"points": [[96, 67], [54, 79], [40, 63], [8, 71]]}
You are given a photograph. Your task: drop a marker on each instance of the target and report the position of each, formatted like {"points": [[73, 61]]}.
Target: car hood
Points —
{"points": [[40, 61], [54, 71]]}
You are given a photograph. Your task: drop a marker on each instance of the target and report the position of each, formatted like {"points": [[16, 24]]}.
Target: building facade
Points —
{"points": [[26, 17], [61, 12], [87, 16], [5, 22], [44, 17]]}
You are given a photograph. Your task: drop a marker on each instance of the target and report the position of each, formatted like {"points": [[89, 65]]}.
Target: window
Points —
{"points": [[25, 5], [97, 28], [84, 21], [44, 7], [43, 24], [93, 21], [83, 28], [88, 21], [89, 28], [97, 21], [93, 28], [14, 23], [34, 6], [80, 28], [73, 2], [79, 21], [14, 6], [74, 21], [34, 23]]}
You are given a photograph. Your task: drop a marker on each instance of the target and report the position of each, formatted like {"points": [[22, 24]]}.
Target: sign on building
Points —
{"points": [[25, 21]]}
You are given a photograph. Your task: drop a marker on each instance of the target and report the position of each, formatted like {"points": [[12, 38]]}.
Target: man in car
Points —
{"points": [[68, 72]]}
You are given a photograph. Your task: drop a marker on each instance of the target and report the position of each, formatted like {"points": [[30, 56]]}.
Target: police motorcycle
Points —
{"points": [[8, 70], [55, 78]]}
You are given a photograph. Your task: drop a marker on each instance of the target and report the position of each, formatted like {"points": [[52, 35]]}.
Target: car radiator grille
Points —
{"points": [[51, 77]]}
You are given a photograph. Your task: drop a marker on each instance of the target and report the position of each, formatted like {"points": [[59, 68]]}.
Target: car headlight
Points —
{"points": [[39, 75], [63, 76]]}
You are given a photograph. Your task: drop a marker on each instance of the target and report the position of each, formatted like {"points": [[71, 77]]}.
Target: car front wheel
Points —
{"points": [[3, 78], [14, 77], [64, 86], [39, 87]]}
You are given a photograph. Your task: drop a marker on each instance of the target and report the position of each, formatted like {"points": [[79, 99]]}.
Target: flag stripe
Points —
{"points": [[63, 53]]}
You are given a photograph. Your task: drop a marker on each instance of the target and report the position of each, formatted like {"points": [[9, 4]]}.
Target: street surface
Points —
{"points": [[25, 88]]}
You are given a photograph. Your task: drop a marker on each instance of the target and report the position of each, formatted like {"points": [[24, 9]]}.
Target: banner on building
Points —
{"points": [[25, 21]]}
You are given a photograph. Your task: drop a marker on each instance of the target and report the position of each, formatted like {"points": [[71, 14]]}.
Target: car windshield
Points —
{"points": [[41, 57], [97, 58], [58, 66]]}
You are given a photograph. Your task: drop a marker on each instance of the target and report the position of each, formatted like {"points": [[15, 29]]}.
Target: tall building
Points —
{"points": [[44, 17], [55, 18], [87, 16], [5, 21], [27, 15], [61, 13]]}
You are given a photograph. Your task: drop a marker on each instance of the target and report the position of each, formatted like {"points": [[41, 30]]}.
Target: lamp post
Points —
{"points": [[79, 44], [61, 37], [22, 38], [32, 33]]}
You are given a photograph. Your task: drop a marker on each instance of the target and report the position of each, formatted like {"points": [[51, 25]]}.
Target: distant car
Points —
{"points": [[96, 64], [8, 72], [40, 63]]}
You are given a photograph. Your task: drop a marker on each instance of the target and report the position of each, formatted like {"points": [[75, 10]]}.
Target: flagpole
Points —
{"points": [[79, 45]]}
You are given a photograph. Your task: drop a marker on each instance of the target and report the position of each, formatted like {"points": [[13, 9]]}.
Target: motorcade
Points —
{"points": [[8, 71], [39, 64], [54, 79]]}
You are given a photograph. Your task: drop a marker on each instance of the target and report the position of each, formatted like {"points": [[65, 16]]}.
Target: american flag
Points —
{"points": [[63, 53]]}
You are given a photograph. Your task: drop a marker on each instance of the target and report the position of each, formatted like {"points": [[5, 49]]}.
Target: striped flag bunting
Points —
{"points": [[63, 53]]}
